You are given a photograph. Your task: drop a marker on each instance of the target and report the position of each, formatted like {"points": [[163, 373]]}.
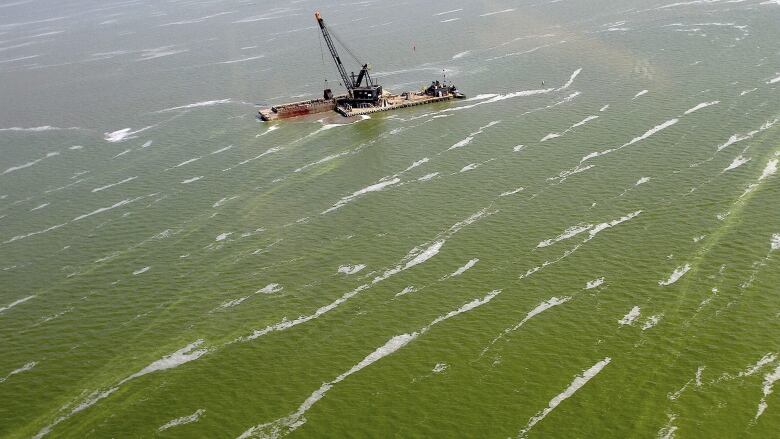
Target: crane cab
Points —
{"points": [[366, 95]]}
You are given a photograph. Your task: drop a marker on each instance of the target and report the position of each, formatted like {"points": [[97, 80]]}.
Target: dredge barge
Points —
{"points": [[364, 96]]}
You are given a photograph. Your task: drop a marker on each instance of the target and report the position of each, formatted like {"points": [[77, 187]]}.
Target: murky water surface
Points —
{"points": [[587, 246]]}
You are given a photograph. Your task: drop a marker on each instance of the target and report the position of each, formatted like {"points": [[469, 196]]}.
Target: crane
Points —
{"points": [[357, 93]]}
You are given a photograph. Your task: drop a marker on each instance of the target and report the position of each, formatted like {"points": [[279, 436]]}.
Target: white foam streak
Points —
{"points": [[571, 80], [191, 180], [770, 169], [641, 93], [287, 324], [36, 129], [13, 304], [21, 58], [595, 283], [668, 430], [196, 105], [462, 143], [465, 308], [603, 226], [767, 359], [234, 302], [223, 200], [737, 162], [481, 97], [424, 255], [251, 58], [700, 106], [447, 12], [652, 131], [575, 385], [263, 154], [24, 368], [568, 233], [175, 359], [290, 423], [498, 12], [630, 317], [523, 93], [102, 188], [183, 420], [124, 134], [186, 162], [321, 161], [544, 306], [221, 150], [416, 164], [91, 400], [159, 52], [651, 321], [471, 136], [675, 276], [747, 136], [415, 257], [196, 20], [499, 98], [644, 136], [583, 122], [122, 153], [512, 192], [768, 387], [183, 355], [28, 164], [351, 269], [270, 289], [270, 129], [407, 290], [463, 269], [103, 209], [774, 242], [373, 188], [18, 237]]}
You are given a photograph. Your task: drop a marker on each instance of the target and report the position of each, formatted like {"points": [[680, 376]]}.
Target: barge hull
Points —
{"points": [[341, 106], [295, 109], [393, 103]]}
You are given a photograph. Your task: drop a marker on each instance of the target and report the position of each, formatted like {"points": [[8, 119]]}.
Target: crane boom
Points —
{"points": [[342, 71]]}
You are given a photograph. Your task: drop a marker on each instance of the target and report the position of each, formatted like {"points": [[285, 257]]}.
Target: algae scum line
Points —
{"points": [[587, 245]]}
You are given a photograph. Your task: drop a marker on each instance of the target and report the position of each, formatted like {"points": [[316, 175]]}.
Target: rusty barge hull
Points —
{"points": [[296, 109]]}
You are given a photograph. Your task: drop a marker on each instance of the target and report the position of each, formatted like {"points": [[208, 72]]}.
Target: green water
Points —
{"points": [[454, 270]]}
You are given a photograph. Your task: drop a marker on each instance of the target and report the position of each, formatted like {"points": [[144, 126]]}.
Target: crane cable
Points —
{"points": [[336, 37], [322, 55]]}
